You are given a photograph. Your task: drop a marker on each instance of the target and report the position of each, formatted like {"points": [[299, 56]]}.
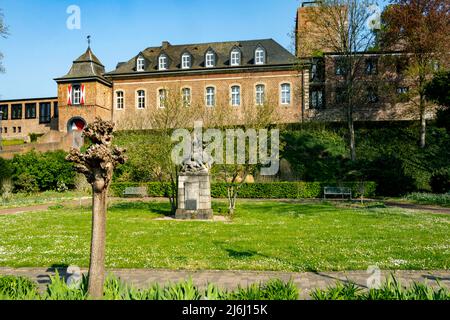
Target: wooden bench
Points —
{"points": [[337, 191], [140, 192]]}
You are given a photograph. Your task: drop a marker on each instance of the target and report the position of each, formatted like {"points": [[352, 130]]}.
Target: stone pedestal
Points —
{"points": [[194, 197]]}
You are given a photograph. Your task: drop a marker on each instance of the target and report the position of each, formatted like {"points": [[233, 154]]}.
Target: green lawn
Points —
{"points": [[14, 142], [49, 197], [263, 236]]}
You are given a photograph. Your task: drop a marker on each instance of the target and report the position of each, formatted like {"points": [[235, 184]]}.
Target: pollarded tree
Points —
{"points": [[98, 164], [422, 30]]}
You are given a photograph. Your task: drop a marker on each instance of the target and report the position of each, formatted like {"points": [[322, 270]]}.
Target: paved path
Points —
{"points": [[306, 282], [418, 207]]}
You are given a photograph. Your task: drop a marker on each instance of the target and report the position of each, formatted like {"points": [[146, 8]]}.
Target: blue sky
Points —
{"points": [[41, 47]]}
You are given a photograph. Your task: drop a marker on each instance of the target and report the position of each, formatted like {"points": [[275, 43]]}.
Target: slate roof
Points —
{"points": [[86, 66], [276, 55]]}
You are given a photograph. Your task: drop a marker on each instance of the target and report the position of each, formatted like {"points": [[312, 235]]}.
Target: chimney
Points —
{"points": [[165, 44]]}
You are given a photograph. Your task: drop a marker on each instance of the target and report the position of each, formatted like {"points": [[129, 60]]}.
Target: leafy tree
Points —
{"points": [[422, 30]]}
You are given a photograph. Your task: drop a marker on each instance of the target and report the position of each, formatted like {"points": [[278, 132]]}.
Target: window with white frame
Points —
{"points": [[210, 59], [260, 94], [235, 96], [162, 94], [186, 61], [163, 62], [186, 94], [285, 93], [119, 100], [140, 99], [260, 56], [210, 96], [140, 64], [235, 57], [76, 94]]}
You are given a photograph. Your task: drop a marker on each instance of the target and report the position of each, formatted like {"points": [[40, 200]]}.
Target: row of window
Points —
{"points": [[210, 59], [210, 96], [317, 96], [15, 130], [30, 111], [371, 66]]}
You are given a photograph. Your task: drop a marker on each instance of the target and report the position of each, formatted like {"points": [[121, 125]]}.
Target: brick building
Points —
{"points": [[302, 87]]}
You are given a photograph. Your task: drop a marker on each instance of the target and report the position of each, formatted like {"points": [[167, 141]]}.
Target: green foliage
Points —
{"points": [[59, 290], [274, 190], [438, 89], [17, 288], [392, 289], [5, 169], [346, 291], [273, 290], [34, 171], [440, 181], [34, 137], [316, 154], [430, 199]]}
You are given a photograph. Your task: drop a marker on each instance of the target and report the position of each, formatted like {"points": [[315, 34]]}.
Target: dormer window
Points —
{"points": [[163, 62], [140, 64], [235, 57], [186, 61], [210, 59], [260, 56]]}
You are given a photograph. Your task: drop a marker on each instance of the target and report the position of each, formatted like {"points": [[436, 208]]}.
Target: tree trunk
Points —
{"points": [[351, 133], [423, 124], [97, 263]]}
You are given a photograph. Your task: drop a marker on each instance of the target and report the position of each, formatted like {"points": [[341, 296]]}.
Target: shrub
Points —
{"points": [[25, 182], [41, 171], [5, 169], [431, 199], [440, 181], [273, 190]]}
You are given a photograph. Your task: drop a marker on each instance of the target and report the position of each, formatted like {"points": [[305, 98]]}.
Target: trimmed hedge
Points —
{"points": [[274, 190]]}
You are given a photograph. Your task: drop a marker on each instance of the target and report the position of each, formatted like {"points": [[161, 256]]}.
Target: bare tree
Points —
{"points": [[342, 27], [3, 34], [152, 150], [422, 30], [240, 120], [98, 164]]}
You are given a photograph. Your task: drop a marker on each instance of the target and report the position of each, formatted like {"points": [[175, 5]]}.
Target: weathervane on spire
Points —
{"points": [[89, 41]]}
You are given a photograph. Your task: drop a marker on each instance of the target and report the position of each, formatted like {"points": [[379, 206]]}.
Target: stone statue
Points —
{"points": [[196, 162]]}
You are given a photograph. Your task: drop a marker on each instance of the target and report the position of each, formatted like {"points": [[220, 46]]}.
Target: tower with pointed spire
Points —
{"points": [[84, 93]]}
